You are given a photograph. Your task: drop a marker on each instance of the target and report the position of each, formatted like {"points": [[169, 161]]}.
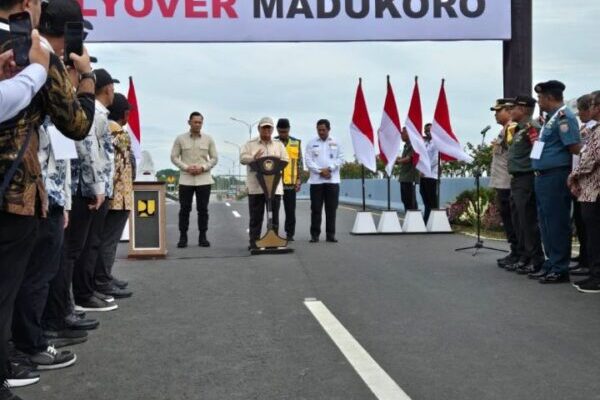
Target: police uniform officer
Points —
{"points": [[291, 175], [500, 179], [522, 187], [552, 160]]}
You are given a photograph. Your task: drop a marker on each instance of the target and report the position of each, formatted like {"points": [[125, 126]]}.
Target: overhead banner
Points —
{"points": [[296, 20]]}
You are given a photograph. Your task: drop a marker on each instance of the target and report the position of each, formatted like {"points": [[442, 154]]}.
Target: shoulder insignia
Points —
{"points": [[562, 114]]}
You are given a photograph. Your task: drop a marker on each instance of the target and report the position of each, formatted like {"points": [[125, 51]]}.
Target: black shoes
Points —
{"points": [[538, 275], [331, 239], [555, 277], [119, 283], [183, 241], [50, 359], [590, 285], [508, 260], [202, 242], [21, 375], [65, 337], [314, 239], [80, 323], [95, 304], [580, 270], [290, 238], [116, 292], [529, 269]]}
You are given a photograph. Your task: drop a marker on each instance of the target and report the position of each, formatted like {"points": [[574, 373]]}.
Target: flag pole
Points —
{"points": [[389, 192], [364, 199], [439, 181]]}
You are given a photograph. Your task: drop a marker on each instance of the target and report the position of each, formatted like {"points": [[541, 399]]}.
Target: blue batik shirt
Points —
{"points": [[56, 174], [90, 172]]}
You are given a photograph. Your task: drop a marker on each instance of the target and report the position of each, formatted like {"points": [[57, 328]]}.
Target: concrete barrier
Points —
{"points": [[376, 192]]}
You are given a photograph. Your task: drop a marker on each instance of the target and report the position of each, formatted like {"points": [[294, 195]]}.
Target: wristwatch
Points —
{"points": [[88, 75]]}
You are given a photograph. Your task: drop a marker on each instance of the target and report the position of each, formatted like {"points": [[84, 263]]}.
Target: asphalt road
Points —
{"points": [[218, 324]]}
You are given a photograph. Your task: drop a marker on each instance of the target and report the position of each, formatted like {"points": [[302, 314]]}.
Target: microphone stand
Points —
{"points": [[479, 244]]}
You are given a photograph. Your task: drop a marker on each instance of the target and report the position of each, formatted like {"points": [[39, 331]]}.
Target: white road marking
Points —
{"points": [[236, 214], [380, 383], [227, 204]]}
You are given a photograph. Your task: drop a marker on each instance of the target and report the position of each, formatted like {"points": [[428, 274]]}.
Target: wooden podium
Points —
{"points": [[268, 173], [148, 221]]}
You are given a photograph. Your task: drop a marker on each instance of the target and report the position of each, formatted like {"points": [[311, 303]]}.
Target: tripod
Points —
{"points": [[479, 243]]}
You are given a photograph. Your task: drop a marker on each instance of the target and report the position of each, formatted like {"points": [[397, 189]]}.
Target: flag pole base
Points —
{"points": [[364, 224], [389, 223], [414, 223]]}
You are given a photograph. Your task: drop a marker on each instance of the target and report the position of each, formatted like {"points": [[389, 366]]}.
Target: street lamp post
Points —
{"points": [[249, 125], [239, 164]]}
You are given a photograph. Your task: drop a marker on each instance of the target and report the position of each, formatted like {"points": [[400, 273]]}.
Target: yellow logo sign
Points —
{"points": [[146, 208]]}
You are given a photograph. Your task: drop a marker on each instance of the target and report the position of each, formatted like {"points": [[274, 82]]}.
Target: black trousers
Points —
{"points": [[428, 189], [257, 204], [328, 195], [503, 200], [114, 223], [590, 213], [408, 194], [17, 238], [186, 196], [27, 331], [84, 283], [580, 227], [289, 204], [525, 219]]}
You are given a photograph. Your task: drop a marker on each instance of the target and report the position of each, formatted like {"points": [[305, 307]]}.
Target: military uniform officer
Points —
{"points": [[522, 187], [551, 160], [500, 179], [291, 175]]}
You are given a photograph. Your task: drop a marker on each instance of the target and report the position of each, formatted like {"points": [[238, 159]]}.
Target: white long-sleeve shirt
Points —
{"points": [[322, 154], [16, 93]]}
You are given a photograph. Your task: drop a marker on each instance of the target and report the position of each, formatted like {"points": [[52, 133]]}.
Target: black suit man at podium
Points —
{"points": [[256, 148]]}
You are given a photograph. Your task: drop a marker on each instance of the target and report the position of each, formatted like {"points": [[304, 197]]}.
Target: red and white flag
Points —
{"points": [[414, 127], [442, 135], [134, 123], [390, 139], [361, 130]]}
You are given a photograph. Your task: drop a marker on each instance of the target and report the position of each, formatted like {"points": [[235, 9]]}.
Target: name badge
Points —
{"points": [[537, 150]]}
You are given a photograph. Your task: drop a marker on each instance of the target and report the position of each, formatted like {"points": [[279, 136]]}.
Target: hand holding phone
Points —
{"points": [[38, 54], [73, 41], [7, 65], [20, 37]]}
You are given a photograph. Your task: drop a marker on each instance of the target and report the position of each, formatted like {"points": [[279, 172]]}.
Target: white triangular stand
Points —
{"points": [[364, 224], [389, 223], [413, 222], [438, 222], [125, 234]]}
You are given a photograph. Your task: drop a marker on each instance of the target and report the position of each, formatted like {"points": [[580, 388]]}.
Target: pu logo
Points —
{"points": [[146, 208]]}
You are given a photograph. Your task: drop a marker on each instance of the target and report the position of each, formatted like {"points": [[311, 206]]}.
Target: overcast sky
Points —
{"points": [[305, 82]]}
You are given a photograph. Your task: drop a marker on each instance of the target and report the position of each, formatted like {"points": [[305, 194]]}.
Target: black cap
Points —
{"points": [[502, 103], [103, 78], [283, 123], [550, 87], [525, 101], [118, 107], [56, 13]]}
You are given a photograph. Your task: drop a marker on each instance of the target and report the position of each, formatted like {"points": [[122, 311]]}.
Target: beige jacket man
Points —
{"points": [[195, 150], [273, 148]]}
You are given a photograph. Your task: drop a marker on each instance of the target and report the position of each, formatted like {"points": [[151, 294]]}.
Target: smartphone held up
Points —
{"points": [[20, 37]]}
